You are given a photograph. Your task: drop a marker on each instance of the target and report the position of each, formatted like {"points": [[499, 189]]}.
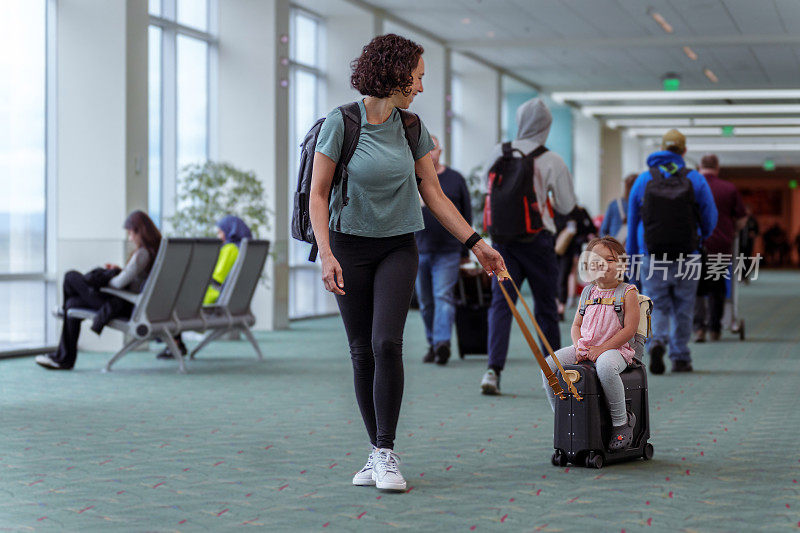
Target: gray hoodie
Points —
{"points": [[551, 178]]}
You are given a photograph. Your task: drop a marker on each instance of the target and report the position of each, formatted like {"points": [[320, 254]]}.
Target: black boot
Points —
{"points": [[442, 353]]}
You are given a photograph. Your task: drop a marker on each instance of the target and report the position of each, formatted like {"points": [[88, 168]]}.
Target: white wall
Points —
{"points": [[246, 137], [478, 113], [586, 157], [633, 155], [430, 104], [346, 33], [91, 141]]}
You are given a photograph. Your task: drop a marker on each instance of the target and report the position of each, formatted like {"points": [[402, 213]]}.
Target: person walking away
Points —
{"points": [[747, 241], [522, 177], [615, 223], [440, 257], [731, 218], [668, 221]]}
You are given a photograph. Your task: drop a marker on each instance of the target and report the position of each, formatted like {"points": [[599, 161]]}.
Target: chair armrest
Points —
{"points": [[131, 297]]}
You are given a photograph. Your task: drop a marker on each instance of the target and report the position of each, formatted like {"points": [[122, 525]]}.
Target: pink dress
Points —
{"points": [[600, 323]]}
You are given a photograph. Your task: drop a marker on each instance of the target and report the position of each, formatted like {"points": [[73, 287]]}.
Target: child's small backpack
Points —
{"points": [[645, 306]]}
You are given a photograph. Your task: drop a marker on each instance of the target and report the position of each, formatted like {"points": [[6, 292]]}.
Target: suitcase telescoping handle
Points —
{"points": [[552, 380]]}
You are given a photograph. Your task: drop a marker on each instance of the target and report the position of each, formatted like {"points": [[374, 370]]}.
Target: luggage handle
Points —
{"points": [[552, 380]]}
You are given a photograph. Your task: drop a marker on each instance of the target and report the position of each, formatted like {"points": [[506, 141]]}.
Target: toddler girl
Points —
{"points": [[598, 336]]}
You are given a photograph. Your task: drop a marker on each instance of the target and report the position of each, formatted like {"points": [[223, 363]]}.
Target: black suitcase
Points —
{"points": [[472, 312], [582, 428]]}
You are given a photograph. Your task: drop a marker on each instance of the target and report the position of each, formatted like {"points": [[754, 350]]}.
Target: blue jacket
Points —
{"points": [[668, 163]]}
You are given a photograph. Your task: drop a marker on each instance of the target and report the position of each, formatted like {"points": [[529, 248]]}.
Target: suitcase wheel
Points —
{"points": [[647, 453], [594, 460], [741, 330], [559, 458]]}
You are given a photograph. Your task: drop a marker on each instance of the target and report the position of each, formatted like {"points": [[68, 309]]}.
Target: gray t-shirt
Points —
{"points": [[381, 184]]}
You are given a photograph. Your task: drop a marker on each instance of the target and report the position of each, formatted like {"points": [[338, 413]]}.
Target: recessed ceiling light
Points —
{"points": [[465, 20], [490, 34], [690, 53], [733, 94], [710, 75], [666, 26], [690, 110]]}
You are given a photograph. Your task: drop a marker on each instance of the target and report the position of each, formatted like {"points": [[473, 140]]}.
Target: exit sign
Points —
{"points": [[671, 84], [769, 164], [727, 131]]}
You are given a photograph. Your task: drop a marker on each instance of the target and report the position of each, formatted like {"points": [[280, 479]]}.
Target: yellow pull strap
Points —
{"points": [[551, 377]]}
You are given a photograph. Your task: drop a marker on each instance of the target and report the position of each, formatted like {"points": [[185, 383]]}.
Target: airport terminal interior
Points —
{"points": [[190, 110]]}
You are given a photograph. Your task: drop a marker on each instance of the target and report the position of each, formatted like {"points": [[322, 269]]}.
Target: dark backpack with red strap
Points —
{"points": [[512, 211], [351, 115]]}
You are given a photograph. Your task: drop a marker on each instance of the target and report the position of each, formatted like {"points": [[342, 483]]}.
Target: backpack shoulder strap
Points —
{"points": [[621, 210], [412, 128], [619, 302], [351, 115], [655, 173], [508, 151], [582, 303], [539, 151]]}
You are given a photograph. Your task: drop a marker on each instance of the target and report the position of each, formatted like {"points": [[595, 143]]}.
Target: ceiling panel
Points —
{"points": [[753, 17], [706, 17], [789, 14], [528, 36]]}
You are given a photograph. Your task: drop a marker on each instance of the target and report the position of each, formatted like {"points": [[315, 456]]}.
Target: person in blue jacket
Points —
{"points": [[672, 292]]}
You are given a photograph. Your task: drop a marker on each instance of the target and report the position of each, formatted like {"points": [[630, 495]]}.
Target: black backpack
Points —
{"points": [[351, 114], [670, 214], [511, 211]]}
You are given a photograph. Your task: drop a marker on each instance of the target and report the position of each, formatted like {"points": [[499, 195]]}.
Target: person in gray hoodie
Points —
{"points": [[531, 257]]}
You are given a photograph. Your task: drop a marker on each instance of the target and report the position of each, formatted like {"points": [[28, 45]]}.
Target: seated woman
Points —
{"points": [[79, 293], [231, 230]]}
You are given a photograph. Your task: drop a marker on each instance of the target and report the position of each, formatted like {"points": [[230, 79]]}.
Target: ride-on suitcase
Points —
{"points": [[583, 428], [472, 312]]}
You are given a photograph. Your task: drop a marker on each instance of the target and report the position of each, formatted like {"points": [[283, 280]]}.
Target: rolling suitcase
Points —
{"points": [[472, 312], [583, 427]]}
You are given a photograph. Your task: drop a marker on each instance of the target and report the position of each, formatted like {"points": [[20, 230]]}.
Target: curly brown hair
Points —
{"points": [[385, 66]]}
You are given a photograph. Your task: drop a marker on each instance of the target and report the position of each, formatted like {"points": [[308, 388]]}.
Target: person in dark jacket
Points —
{"points": [[440, 255], [731, 218], [672, 292]]}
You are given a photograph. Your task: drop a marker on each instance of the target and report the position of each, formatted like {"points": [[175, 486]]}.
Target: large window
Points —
{"points": [[25, 293], [182, 52], [307, 296]]}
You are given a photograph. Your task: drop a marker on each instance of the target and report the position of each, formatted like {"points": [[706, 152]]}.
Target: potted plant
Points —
{"points": [[208, 192]]}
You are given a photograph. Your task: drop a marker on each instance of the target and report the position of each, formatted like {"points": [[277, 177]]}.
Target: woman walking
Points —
{"points": [[367, 247]]}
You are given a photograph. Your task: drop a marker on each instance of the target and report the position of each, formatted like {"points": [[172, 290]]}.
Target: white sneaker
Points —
{"points": [[490, 384], [385, 472], [363, 477], [45, 361]]}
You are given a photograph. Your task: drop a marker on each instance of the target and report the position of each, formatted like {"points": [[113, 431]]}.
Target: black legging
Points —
{"points": [[77, 293], [378, 276]]}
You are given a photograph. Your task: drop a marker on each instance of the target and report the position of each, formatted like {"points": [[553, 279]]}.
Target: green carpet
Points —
{"points": [[273, 445]]}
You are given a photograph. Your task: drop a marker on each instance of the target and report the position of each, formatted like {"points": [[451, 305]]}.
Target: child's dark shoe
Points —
{"points": [[622, 436]]}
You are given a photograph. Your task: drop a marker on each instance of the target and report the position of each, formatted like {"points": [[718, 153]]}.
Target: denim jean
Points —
{"points": [[673, 306], [536, 262], [436, 278]]}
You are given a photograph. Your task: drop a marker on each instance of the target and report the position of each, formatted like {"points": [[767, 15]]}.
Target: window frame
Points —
{"points": [[47, 275], [322, 299], [168, 109]]}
